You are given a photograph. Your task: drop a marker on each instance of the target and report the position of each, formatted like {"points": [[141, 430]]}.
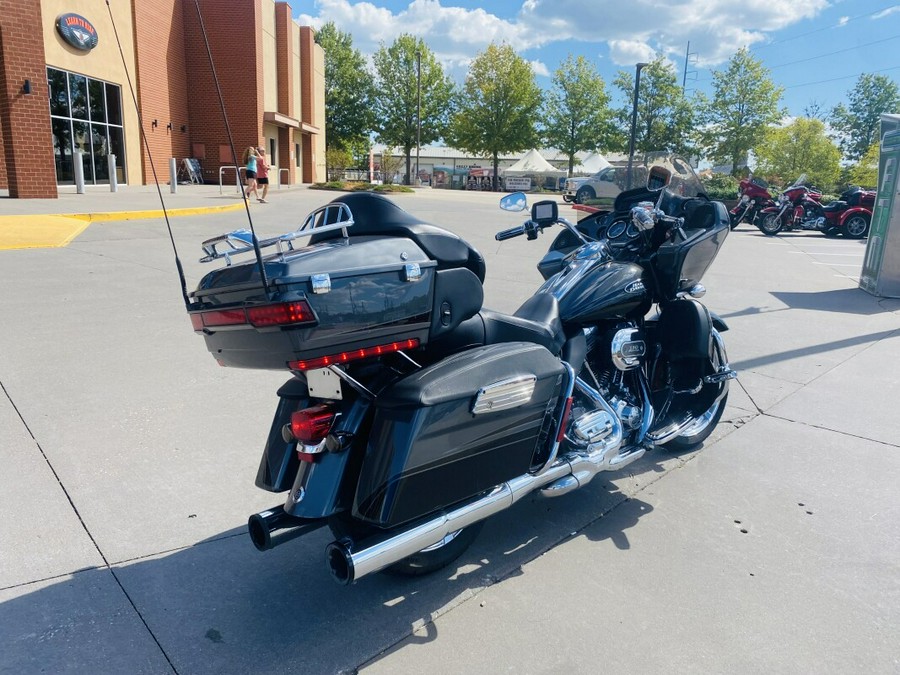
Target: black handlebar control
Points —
{"points": [[510, 233]]}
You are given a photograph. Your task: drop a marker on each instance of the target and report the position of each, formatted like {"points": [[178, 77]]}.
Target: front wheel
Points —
{"points": [[427, 560], [700, 429], [583, 195], [770, 225], [855, 227]]}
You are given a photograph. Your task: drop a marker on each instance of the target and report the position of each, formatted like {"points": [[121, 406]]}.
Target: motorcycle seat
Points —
{"points": [[537, 321], [375, 215], [835, 206]]}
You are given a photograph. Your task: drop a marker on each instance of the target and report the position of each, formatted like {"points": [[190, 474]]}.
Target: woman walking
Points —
{"points": [[250, 157]]}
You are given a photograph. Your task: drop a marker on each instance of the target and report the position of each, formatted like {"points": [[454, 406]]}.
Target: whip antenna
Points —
{"points": [[184, 294], [212, 67]]}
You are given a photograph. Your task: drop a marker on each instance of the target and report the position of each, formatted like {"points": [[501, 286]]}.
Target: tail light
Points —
{"points": [[311, 426], [259, 316], [354, 355]]}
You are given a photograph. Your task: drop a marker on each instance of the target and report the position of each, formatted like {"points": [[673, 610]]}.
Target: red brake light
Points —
{"points": [[312, 425], [259, 316], [355, 355], [281, 314], [565, 420]]}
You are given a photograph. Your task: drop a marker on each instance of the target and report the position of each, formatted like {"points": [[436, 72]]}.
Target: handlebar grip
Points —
{"points": [[510, 233]]}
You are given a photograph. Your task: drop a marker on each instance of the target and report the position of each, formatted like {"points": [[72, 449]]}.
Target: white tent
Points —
{"points": [[593, 163], [533, 164]]}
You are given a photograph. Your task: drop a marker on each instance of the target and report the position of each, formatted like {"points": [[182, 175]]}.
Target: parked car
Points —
{"points": [[604, 185]]}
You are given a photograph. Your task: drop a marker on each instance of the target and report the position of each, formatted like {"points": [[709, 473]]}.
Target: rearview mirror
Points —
{"points": [[517, 201], [659, 178]]}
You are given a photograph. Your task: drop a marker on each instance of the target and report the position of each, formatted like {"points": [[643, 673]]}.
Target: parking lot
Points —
{"points": [[129, 459]]}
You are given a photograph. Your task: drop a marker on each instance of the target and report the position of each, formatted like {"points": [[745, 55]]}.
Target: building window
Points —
{"points": [[297, 154], [86, 115]]}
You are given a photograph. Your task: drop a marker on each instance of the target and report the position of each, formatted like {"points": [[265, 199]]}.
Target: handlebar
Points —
{"points": [[510, 233]]}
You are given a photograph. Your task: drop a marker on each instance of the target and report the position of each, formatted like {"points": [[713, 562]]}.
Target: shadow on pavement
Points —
{"points": [[842, 300], [222, 607]]}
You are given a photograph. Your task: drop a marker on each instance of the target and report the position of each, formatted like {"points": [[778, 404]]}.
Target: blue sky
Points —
{"points": [[815, 49]]}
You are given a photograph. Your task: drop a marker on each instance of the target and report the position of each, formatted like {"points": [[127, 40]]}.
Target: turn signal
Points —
{"points": [[259, 316], [312, 425]]}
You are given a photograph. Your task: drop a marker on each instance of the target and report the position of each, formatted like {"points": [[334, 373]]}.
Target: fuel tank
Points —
{"points": [[593, 288]]}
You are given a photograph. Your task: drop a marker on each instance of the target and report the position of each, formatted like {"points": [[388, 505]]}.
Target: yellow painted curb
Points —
{"points": [[39, 231], [56, 230]]}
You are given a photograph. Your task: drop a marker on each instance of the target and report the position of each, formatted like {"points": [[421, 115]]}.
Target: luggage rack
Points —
{"points": [[328, 218]]}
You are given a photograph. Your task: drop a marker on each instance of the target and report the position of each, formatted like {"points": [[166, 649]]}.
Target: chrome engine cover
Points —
{"points": [[627, 348]]}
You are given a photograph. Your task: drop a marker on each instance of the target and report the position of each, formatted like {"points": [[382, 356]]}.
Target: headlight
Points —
{"points": [[744, 199]]}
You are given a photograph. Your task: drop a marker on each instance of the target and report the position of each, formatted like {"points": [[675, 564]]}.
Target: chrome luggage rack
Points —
{"points": [[334, 216]]}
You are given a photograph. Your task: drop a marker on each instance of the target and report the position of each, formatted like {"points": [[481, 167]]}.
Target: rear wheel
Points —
{"points": [[770, 225], [427, 560], [856, 226], [700, 429]]}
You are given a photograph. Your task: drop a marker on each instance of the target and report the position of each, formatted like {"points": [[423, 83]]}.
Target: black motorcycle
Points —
{"points": [[413, 413]]}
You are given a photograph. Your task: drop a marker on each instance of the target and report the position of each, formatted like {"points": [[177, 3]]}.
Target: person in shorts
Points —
{"points": [[262, 173], [250, 162]]}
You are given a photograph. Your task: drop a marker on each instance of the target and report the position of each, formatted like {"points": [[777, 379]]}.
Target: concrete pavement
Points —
{"points": [[129, 462]]}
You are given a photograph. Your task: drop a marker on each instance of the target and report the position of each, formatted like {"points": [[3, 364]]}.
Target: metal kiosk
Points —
{"points": [[880, 274]]}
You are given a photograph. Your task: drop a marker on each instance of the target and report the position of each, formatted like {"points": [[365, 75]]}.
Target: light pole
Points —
{"points": [[418, 109], [637, 87]]}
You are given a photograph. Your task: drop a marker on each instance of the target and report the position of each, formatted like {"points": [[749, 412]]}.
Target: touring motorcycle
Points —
{"points": [[413, 413], [850, 215], [754, 197], [798, 208]]}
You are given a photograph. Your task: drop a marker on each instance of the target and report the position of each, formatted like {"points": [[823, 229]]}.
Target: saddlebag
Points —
{"points": [[457, 428]]}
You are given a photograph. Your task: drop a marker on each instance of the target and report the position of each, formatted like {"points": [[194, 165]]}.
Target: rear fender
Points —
{"points": [[849, 213], [279, 462]]}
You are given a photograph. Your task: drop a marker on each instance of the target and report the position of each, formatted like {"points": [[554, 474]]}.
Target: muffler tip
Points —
{"points": [[340, 562], [259, 532]]}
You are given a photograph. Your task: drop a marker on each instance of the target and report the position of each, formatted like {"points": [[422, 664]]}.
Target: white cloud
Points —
{"points": [[636, 32], [886, 12], [540, 68], [843, 21]]}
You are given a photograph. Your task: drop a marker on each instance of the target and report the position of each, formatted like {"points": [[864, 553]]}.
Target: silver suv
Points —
{"points": [[602, 185]]}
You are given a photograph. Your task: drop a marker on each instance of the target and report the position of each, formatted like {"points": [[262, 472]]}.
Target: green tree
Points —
{"points": [[665, 118], [348, 92], [498, 107], [396, 102], [865, 171], [858, 122], [576, 110], [744, 103], [801, 147]]}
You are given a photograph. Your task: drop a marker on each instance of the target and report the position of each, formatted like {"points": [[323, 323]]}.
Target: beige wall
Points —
{"points": [[319, 114], [103, 62], [269, 57]]}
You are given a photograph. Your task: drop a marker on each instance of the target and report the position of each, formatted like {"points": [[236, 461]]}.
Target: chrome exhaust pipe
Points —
{"points": [[273, 527], [349, 561]]}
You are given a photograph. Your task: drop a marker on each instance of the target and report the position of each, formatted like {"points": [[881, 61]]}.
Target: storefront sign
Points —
{"points": [[514, 183], [77, 31]]}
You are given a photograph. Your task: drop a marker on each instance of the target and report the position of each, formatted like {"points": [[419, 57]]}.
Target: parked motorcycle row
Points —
{"points": [[799, 207]]}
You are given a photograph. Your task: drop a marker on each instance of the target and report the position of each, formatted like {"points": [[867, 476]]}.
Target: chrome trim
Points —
{"points": [[504, 395], [623, 337], [570, 387], [321, 283], [412, 272]]}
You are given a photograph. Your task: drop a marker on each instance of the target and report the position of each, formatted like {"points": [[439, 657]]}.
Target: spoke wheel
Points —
{"points": [[770, 225], [855, 227]]}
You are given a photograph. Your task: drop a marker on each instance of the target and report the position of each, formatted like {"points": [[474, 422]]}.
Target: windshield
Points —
{"points": [[684, 181], [800, 181]]}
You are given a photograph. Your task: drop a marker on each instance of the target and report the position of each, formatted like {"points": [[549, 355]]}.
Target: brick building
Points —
{"points": [[98, 64]]}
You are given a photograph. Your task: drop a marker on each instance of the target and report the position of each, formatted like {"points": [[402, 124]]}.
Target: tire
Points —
{"points": [[425, 561], [831, 232], [584, 194], [567, 198], [702, 426], [735, 221], [856, 226], [770, 225], [700, 430]]}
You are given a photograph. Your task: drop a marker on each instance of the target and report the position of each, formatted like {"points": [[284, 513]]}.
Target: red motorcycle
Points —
{"points": [[754, 197], [850, 215], [799, 208]]}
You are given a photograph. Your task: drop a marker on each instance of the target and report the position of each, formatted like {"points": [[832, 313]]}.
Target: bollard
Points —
{"points": [[173, 175], [113, 178], [78, 165]]}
